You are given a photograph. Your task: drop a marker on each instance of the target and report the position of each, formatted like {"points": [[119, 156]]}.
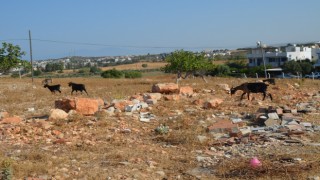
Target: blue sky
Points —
{"points": [[126, 27]]}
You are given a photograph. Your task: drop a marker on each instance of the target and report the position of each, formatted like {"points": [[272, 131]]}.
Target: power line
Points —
{"points": [[109, 45]]}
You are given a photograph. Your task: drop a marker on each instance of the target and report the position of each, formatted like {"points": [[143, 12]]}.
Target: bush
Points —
{"points": [[84, 71], [37, 73], [113, 73], [144, 65], [95, 70], [219, 70], [15, 75], [132, 74]]}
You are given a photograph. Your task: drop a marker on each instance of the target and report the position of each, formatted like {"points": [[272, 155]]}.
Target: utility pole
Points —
{"points": [[259, 44], [31, 55]]}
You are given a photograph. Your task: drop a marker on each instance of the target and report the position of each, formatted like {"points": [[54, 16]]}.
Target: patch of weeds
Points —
{"points": [[162, 129], [60, 122], [7, 172], [76, 117], [101, 115]]}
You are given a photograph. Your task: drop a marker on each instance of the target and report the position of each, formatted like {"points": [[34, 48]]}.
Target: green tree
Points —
{"points": [[291, 67], [54, 67], [222, 70], [10, 56], [187, 62], [306, 67]]}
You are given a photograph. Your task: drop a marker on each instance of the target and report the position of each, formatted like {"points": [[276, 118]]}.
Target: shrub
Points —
{"points": [[6, 173], [144, 65], [95, 70], [84, 70], [113, 73], [15, 75], [37, 73], [132, 74], [220, 70]]}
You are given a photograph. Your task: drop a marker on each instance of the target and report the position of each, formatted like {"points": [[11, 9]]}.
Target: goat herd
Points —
{"points": [[56, 88], [246, 88]]}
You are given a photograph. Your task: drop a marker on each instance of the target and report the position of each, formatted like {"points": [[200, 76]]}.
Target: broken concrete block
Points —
{"points": [[306, 124], [279, 111], [295, 127], [273, 116], [257, 129], [236, 120], [245, 130], [165, 88], [223, 126], [294, 111], [151, 101], [272, 122]]}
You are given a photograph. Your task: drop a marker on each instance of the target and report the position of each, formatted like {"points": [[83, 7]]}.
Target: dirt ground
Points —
{"points": [[119, 146]]}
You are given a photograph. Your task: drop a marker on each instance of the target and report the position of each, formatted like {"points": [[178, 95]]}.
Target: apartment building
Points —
{"points": [[277, 56]]}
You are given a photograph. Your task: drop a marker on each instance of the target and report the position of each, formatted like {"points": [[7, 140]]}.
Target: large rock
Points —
{"points": [[84, 106], [153, 96], [11, 120], [171, 97], [87, 106], [56, 114], [65, 104], [213, 103], [186, 90], [4, 115], [121, 104], [165, 88]]}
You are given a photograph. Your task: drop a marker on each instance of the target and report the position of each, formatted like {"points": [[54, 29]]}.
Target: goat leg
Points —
{"points": [[242, 95], [264, 96]]}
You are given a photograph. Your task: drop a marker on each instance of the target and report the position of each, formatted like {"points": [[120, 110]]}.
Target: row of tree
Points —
{"points": [[182, 63], [186, 63]]}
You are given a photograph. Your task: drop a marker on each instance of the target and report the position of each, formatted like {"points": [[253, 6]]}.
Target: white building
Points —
{"points": [[276, 56]]}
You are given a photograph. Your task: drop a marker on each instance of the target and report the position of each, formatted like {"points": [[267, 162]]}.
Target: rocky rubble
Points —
{"points": [[237, 134]]}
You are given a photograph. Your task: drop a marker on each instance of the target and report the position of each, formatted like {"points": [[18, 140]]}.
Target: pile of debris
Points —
{"points": [[280, 123]]}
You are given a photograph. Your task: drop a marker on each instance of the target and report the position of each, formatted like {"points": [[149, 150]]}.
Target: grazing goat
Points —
{"points": [[270, 81], [53, 88], [77, 87], [247, 88], [46, 81]]}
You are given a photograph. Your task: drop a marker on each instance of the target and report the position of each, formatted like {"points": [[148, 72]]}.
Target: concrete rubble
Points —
{"points": [[234, 134]]}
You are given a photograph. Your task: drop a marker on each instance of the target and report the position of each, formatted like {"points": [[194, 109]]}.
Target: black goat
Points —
{"points": [[247, 88], [270, 81], [77, 87], [53, 88]]}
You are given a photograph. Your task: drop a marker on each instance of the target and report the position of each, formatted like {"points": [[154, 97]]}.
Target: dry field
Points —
{"points": [[137, 66], [99, 147]]}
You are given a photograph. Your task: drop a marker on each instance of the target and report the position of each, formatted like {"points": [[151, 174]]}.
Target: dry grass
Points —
{"points": [[100, 150], [137, 66]]}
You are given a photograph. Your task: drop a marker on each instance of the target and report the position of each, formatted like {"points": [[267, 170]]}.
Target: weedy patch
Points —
{"points": [[6, 169]]}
